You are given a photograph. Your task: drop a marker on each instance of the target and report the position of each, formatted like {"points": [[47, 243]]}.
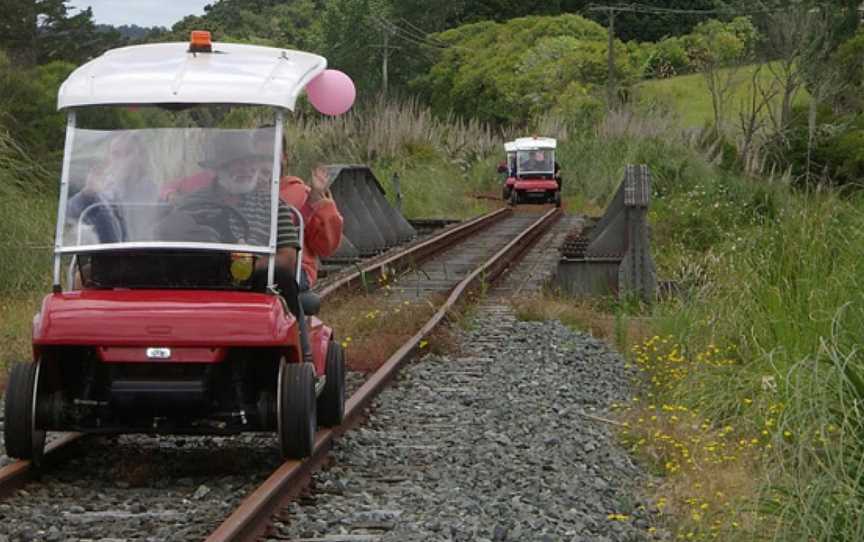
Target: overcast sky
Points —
{"points": [[141, 12]]}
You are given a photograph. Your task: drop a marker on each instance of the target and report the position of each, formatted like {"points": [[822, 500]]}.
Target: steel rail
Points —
{"points": [[415, 254], [17, 474], [251, 518]]}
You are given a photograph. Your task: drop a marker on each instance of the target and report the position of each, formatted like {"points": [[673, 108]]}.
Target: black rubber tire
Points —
{"points": [[298, 412], [556, 198], [514, 198], [331, 403], [21, 441]]}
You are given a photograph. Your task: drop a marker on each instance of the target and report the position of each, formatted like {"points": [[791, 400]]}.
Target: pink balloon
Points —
{"points": [[331, 92]]}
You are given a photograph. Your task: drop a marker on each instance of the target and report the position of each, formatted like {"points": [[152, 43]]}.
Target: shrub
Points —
{"points": [[28, 105], [526, 64], [837, 154], [847, 60], [667, 58]]}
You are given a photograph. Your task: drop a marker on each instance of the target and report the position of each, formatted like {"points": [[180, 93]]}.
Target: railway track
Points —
{"points": [[458, 260], [498, 441]]}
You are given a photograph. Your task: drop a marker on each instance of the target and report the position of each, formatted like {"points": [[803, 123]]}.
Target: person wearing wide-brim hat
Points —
{"points": [[237, 176], [221, 151]]}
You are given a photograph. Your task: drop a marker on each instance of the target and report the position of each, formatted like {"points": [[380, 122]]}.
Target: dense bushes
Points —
{"points": [[836, 153], [712, 43], [28, 104], [525, 66], [847, 59], [533, 65]]}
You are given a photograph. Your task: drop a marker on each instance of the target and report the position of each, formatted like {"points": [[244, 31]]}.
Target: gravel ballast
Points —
{"points": [[501, 442], [135, 487]]}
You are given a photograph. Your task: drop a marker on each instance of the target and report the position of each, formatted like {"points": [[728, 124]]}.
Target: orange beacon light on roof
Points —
{"points": [[200, 42]]}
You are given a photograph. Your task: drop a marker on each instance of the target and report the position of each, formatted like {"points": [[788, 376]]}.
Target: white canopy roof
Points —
{"points": [[534, 143], [509, 146], [168, 73]]}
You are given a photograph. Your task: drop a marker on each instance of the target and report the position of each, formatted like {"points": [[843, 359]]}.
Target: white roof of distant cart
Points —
{"points": [[509, 146], [169, 73], [534, 143]]}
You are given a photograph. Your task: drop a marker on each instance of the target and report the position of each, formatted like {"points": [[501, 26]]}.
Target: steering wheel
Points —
{"points": [[223, 227]]}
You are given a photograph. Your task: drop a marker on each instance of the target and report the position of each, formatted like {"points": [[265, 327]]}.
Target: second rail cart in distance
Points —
{"points": [[534, 179]]}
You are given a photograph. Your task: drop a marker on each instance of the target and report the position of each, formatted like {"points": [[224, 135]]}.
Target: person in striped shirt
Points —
{"points": [[235, 207]]}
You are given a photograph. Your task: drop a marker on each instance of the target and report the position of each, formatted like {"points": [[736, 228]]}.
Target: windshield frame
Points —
{"points": [[269, 251]]}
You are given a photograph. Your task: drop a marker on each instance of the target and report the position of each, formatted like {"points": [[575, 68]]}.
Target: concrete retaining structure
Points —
{"points": [[613, 256], [371, 224]]}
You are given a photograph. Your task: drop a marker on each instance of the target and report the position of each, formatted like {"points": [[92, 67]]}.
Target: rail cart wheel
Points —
{"points": [[297, 416], [514, 197], [22, 439], [331, 403], [556, 198], [505, 193]]}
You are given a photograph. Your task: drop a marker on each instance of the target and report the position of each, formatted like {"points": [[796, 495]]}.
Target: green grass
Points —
{"points": [[783, 295], [687, 96], [27, 208], [16, 315]]}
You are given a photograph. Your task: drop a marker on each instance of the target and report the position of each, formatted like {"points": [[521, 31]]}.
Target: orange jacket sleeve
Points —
{"points": [[322, 219], [323, 228], [323, 224]]}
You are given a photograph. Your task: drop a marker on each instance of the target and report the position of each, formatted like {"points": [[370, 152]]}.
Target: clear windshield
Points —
{"points": [[537, 161], [179, 185]]}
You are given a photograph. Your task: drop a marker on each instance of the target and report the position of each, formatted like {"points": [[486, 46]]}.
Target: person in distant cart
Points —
{"points": [[557, 175], [536, 162]]}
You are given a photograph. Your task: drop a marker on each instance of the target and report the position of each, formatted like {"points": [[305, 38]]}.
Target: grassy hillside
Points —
{"points": [[687, 96]]}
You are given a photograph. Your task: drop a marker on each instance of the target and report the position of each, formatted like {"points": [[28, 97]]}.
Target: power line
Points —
{"points": [[417, 38], [406, 35], [657, 10], [420, 31]]}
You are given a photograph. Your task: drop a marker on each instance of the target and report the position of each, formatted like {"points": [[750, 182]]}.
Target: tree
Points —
{"points": [[40, 31], [510, 71], [351, 36], [73, 39], [20, 22], [798, 39], [719, 49]]}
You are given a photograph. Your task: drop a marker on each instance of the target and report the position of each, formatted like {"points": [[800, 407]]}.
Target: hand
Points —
{"points": [[318, 185], [94, 180]]}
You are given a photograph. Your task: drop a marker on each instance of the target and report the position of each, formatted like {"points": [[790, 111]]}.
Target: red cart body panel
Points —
{"points": [[164, 318], [535, 185]]}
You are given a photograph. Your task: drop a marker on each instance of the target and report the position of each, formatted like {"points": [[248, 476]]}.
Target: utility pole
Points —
{"points": [[611, 78], [386, 52], [387, 30], [611, 91]]}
